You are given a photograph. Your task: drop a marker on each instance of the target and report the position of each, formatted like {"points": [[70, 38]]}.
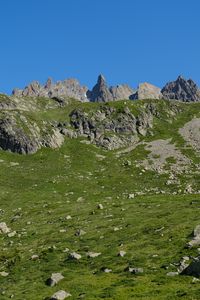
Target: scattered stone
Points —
{"points": [[68, 217], [4, 228], [93, 254], [100, 206], [75, 256], [122, 253], [34, 257], [62, 230], [12, 234], [4, 274], [131, 196], [60, 295], [54, 279], [80, 232], [135, 270], [116, 229], [196, 237], [106, 270], [195, 280], [172, 274], [13, 164], [66, 250]]}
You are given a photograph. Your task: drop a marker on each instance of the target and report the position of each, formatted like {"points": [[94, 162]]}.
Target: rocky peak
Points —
{"points": [[101, 81], [100, 92], [49, 83], [181, 89], [147, 91]]}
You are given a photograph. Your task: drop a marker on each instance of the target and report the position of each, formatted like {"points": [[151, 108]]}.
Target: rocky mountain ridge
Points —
{"points": [[180, 89]]}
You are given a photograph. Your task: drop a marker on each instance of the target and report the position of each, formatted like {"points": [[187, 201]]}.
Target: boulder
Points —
{"points": [[4, 228], [193, 269], [60, 295], [181, 89], [54, 279], [93, 254], [75, 256], [195, 241]]}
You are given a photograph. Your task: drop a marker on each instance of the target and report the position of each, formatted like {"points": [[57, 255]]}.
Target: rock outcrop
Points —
{"points": [[181, 89], [147, 91], [111, 128], [23, 137], [102, 93], [193, 269], [69, 88]]}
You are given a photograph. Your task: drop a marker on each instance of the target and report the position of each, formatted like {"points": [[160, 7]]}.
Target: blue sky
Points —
{"points": [[129, 41]]}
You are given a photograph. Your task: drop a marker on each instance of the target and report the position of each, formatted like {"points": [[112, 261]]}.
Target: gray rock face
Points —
{"points": [[147, 91], [69, 88], [193, 269], [110, 128], [15, 138], [181, 89], [102, 93]]}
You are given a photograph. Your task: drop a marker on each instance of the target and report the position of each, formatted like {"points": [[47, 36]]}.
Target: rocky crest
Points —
{"points": [[69, 87], [181, 89]]}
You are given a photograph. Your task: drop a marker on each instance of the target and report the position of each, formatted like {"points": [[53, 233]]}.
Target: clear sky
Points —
{"points": [[129, 41]]}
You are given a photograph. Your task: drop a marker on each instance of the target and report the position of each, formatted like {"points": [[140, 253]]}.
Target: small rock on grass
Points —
{"points": [[80, 232], [122, 253], [100, 206], [4, 228], [60, 295], [75, 256], [172, 274], [93, 254], [135, 270], [54, 279], [12, 234], [106, 270], [4, 274], [34, 257]]}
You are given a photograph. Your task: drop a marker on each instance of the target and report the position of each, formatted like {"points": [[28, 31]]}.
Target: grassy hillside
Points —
{"points": [[39, 191]]}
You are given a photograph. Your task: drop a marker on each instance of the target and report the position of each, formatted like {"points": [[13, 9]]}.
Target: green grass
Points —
{"points": [[44, 188]]}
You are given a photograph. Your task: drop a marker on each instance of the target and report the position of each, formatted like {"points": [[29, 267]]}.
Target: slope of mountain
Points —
{"points": [[108, 197]]}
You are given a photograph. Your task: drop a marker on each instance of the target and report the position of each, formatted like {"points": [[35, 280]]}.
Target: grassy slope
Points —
{"points": [[46, 187]]}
